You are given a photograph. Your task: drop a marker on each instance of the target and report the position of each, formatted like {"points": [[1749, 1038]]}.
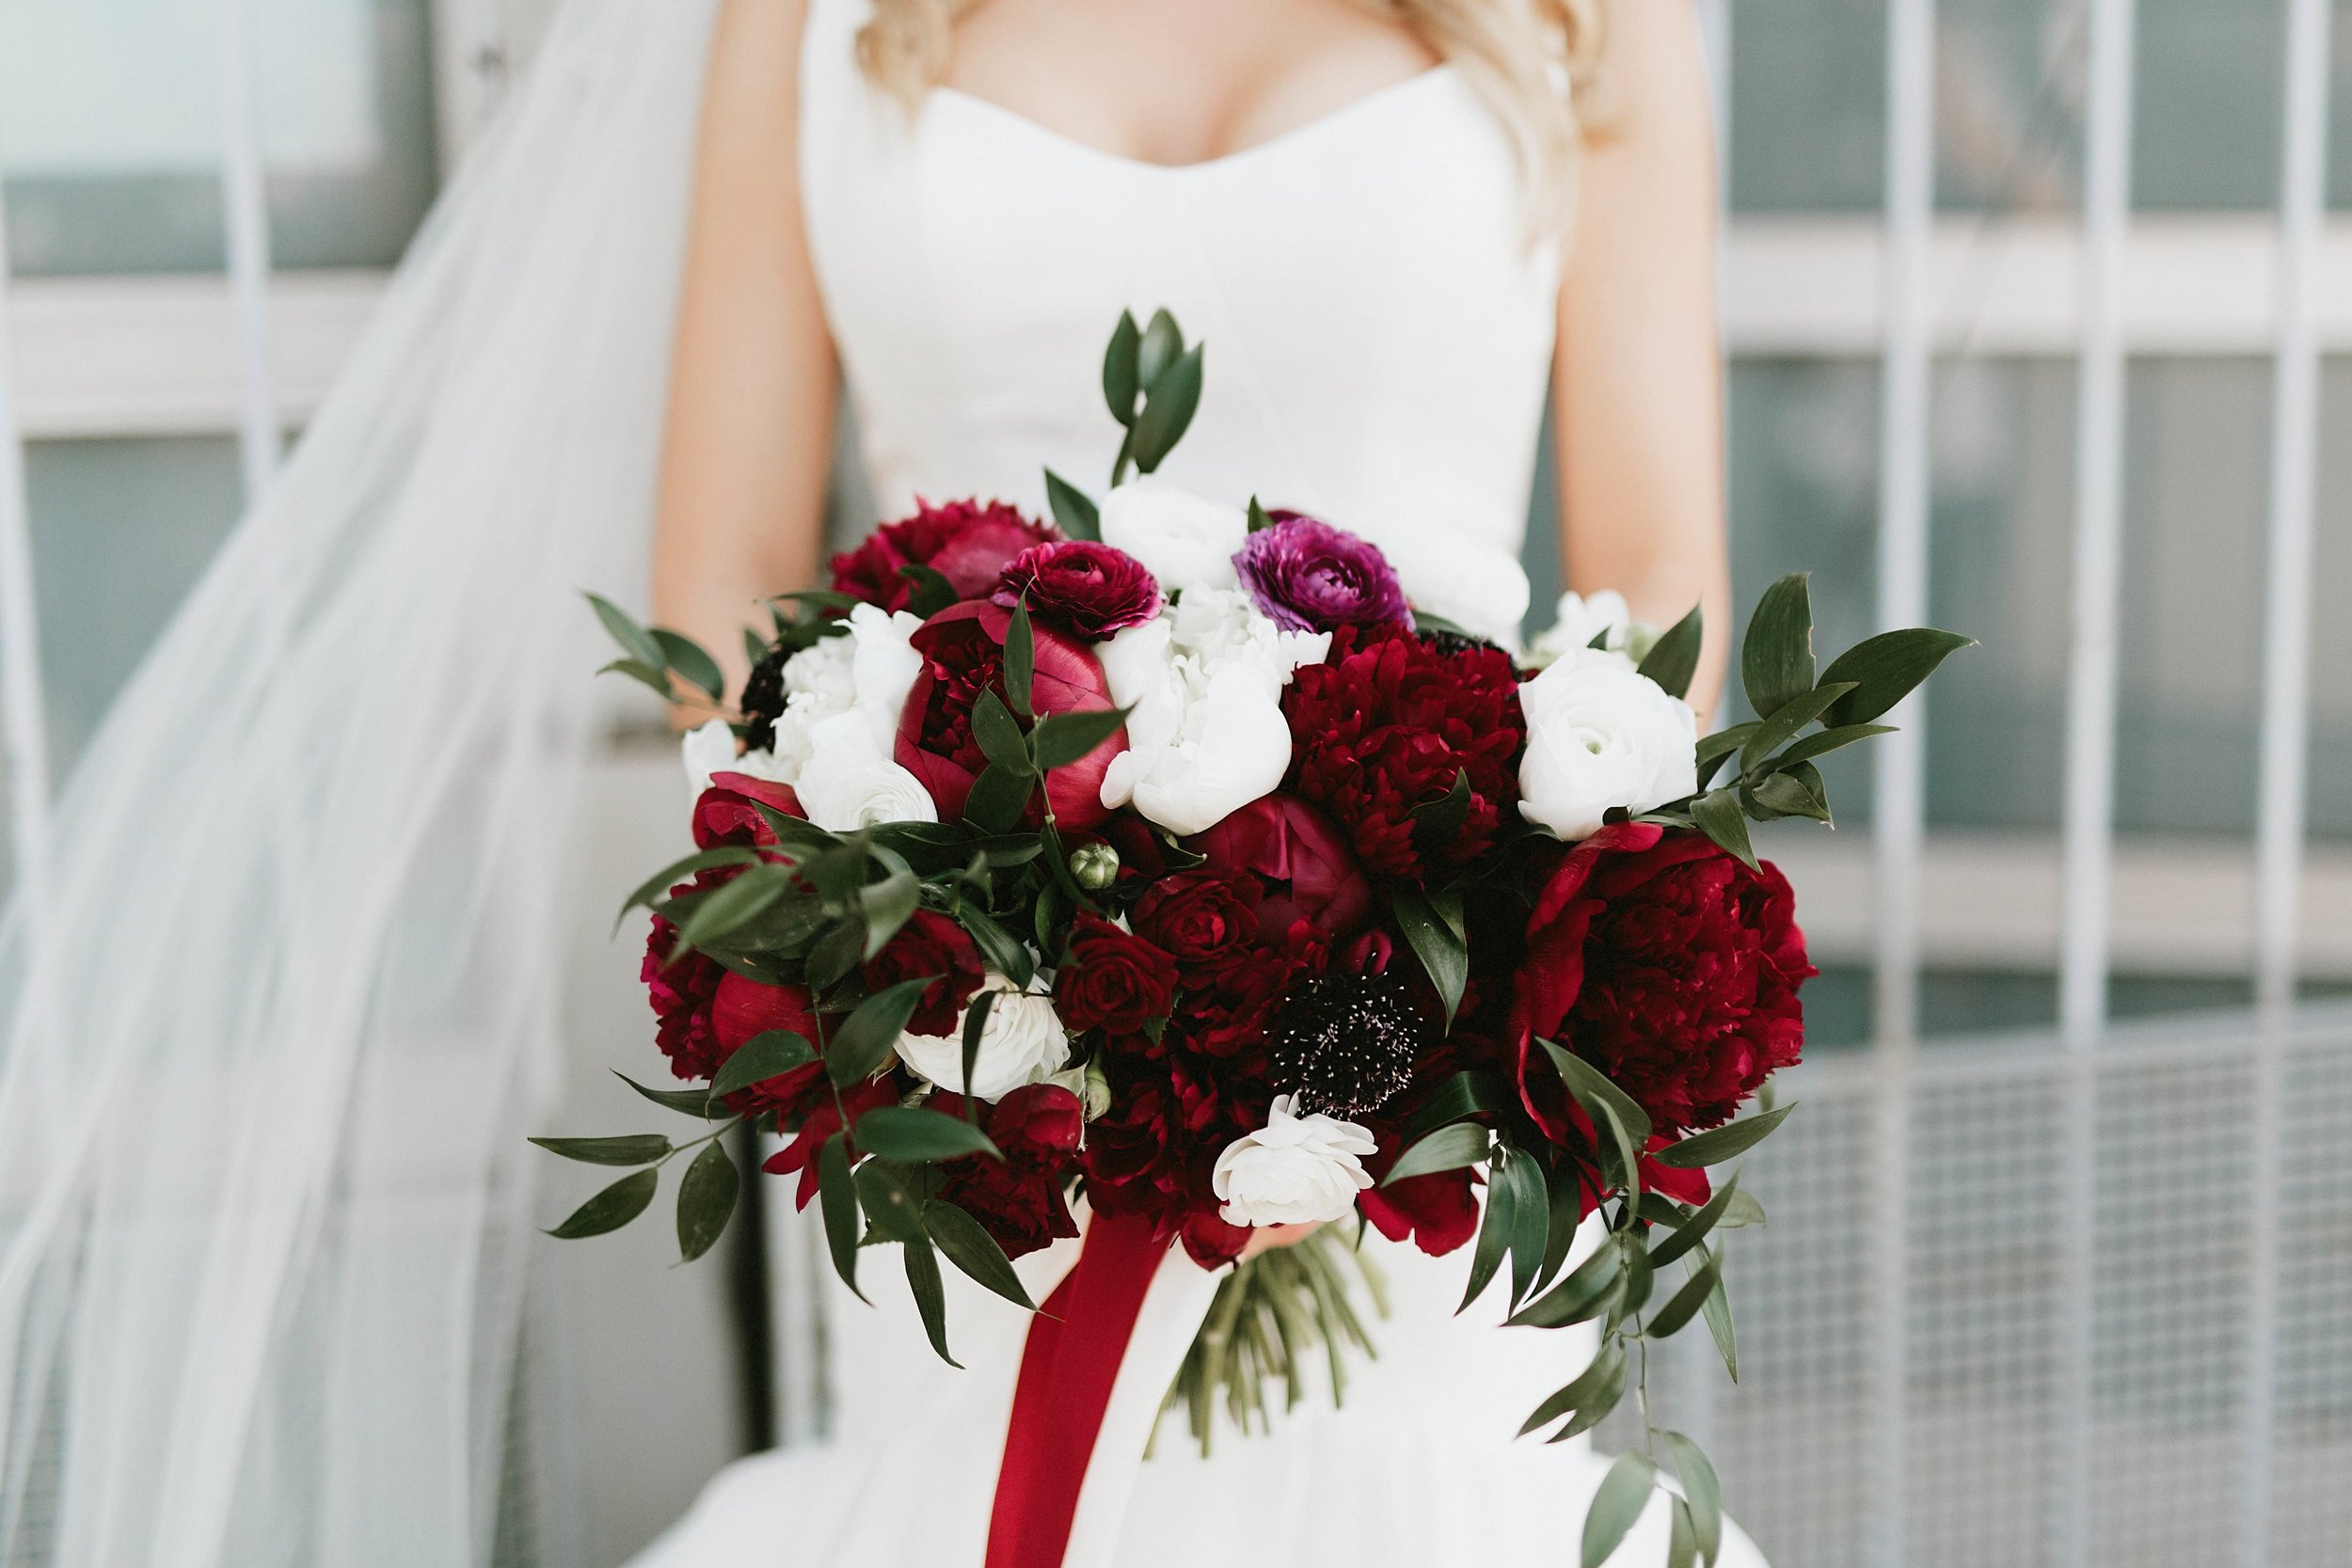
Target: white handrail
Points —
{"points": [[245, 211]]}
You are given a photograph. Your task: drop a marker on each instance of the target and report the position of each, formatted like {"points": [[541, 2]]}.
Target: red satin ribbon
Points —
{"points": [[1076, 1344]]}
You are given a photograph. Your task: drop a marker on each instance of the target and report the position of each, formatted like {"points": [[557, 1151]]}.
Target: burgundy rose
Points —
{"points": [[1668, 965], [1195, 916], [1080, 587], [1018, 1199], [964, 655], [1304, 861], [968, 543], [1308, 576], [1112, 979], [1387, 724], [724, 814], [930, 944]]}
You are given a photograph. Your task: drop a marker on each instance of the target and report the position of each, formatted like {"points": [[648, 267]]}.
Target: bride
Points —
{"points": [[1393, 225], [287, 979]]}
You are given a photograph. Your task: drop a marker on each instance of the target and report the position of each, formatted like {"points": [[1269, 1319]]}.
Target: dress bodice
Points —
{"points": [[1378, 318]]}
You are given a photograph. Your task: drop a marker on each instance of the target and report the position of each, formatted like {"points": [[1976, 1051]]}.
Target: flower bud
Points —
{"points": [[1094, 866], [1098, 1091]]}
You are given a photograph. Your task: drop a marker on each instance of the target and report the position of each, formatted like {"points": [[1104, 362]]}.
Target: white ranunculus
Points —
{"points": [[849, 782], [1578, 621], [884, 666], [1206, 735], [1022, 1042], [710, 749], [1183, 541], [1479, 588], [1294, 1170], [1600, 733]]}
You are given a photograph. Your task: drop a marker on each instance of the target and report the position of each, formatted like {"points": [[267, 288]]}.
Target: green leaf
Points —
{"points": [[1447, 1149], [865, 1041], [1682, 1542], [1494, 1235], [610, 1209], [755, 648], [1691, 1229], [675, 872], [1604, 1367], [1673, 661], [1075, 512], [1703, 1489], [974, 1026], [930, 1298], [1522, 1176], [1566, 1196], [1592, 1087], [1438, 821], [1259, 519], [999, 735], [1719, 1325], [1713, 749], [910, 1135], [1064, 737], [1002, 952], [652, 675], [695, 667], [706, 1200], [889, 1208], [1686, 1302], [1599, 1400], [1829, 741], [1790, 716], [638, 1149], [1121, 374], [887, 905], [1624, 1492], [1163, 341], [1795, 793], [1723, 1142], [1167, 411], [1584, 1295], [770, 1053], [1745, 1210], [999, 797], [1468, 1093], [1441, 951], [1886, 668], [1721, 817], [832, 956], [634, 639], [930, 592], [1021, 661], [837, 1194], [732, 906], [1776, 658], [693, 1103], [970, 1249]]}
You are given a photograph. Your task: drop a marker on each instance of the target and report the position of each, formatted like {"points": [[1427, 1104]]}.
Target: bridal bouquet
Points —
{"points": [[1168, 857]]}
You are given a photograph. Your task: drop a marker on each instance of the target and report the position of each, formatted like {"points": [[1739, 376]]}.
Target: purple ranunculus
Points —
{"points": [[1308, 576], [1080, 587]]}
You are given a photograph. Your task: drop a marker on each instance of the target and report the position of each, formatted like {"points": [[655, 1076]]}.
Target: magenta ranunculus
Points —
{"points": [[1308, 576], [1081, 587]]}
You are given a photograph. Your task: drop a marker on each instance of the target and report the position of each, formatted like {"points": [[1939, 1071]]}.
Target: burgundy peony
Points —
{"points": [[1018, 1199], [964, 655], [1668, 965], [706, 1012], [1308, 576], [1386, 725], [930, 944], [1304, 859], [968, 543], [724, 814], [1112, 979], [1438, 1212], [1080, 587], [821, 1120]]}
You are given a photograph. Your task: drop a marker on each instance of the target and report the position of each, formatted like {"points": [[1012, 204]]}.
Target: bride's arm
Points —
{"points": [[747, 447], [1638, 387]]}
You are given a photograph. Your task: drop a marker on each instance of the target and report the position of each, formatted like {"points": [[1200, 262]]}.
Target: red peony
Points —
{"points": [[1308, 872], [704, 1012], [724, 813], [1440, 1212], [965, 542], [1019, 1199], [930, 944], [819, 1124], [1386, 725], [1668, 965], [1195, 916], [1112, 979], [964, 655], [1080, 587]]}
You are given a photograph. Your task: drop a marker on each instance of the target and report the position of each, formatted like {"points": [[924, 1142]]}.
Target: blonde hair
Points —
{"points": [[1537, 63]]}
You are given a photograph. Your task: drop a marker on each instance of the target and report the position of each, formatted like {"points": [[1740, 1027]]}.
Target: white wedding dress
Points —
{"points": [[1380, 326]]}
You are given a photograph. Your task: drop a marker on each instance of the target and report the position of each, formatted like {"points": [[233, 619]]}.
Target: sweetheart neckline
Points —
{"points": [[1280, 141]]}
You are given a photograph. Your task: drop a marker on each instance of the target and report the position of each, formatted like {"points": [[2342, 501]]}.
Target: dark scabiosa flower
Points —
{"points": [[763, 701], [1308, 576], [1346, 1043]]}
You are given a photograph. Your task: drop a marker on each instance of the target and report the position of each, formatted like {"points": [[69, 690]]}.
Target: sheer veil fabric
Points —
{"points": [[283, 1009]]}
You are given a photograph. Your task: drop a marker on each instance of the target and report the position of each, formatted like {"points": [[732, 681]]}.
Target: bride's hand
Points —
{"points": [[1267, 1238]]}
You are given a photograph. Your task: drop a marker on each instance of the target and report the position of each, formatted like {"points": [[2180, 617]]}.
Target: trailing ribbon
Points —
{"points": [[1067, 1366]]}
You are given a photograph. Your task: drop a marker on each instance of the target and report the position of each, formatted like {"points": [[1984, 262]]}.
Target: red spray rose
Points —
{"points": [[1080, 587], [930, 944], [1196, 915], [1668, 965], [1304, 859], [1387, 723], [968, 543], [1019, 1199], [724, 813], [964, 655], [1112, 979]]}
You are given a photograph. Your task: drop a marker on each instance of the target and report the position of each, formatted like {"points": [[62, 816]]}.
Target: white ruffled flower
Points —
{"points": [[1183, 541], [1294, 1170], [1022, 1042], [882, 667], [818, 685], [1578, 621], [1478, 588], [851, 783], [1600, 733], [710, 749], [1206, 735]]}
